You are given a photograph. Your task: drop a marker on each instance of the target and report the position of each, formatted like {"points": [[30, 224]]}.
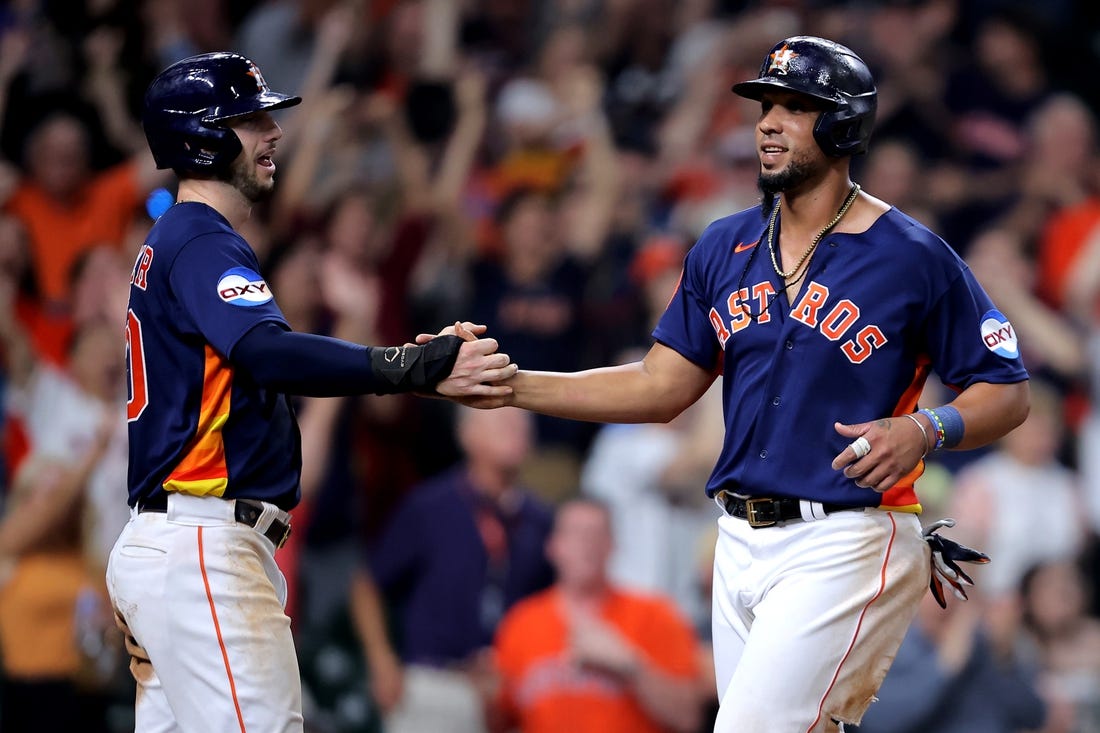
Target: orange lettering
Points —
{"points": [[810, 303], [866, 341], [840, 319], [719, 327], [739, 314]]}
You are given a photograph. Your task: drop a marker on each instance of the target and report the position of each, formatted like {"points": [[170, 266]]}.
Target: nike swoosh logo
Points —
{"points": [[741, 246]]}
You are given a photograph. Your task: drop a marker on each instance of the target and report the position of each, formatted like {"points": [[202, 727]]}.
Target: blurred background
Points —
{"points": [[539, 166]]}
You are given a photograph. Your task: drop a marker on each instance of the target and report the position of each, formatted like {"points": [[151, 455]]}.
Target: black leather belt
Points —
{"points": [[765, 512], [245, 511]]}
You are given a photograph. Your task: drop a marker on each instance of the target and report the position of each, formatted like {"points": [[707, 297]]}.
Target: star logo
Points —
{"points": [[781, 60], [254, 72]]}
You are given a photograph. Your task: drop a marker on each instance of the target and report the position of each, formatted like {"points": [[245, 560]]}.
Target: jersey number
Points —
{"points": [[138, 398]]}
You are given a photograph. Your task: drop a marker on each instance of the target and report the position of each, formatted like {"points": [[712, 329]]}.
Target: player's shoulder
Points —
{"points": [[899, 230], [744, 226], [187, 222]]}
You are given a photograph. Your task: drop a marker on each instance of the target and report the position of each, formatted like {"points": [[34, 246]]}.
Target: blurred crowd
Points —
{"points": [[539, 166]]}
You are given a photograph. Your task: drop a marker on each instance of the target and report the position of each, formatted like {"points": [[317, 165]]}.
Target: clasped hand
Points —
{"points": [[479, 368]]}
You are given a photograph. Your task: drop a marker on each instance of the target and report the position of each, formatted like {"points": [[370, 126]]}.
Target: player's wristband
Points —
{"points": [[414, 368], [937, 426], [952, 423], [923, 434]]}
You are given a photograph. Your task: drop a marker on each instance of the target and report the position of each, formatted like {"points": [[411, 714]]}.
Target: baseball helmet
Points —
{"points": [[831, 74], [187, 105]]}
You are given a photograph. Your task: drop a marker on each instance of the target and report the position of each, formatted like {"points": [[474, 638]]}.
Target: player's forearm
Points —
{"points": [[319, 366], [619, 394], [988, 412], [655, 389]]}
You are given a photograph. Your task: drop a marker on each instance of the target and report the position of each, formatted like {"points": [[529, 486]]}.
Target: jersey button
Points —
{"points": [[764, 453], [789, 344], [776, 401]]}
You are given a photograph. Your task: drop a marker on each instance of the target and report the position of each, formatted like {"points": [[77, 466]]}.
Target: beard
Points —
{"points": [[242, 176], [798, 171]]}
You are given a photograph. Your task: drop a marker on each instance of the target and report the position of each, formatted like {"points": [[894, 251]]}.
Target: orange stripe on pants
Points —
{"points": [[218, 631]]}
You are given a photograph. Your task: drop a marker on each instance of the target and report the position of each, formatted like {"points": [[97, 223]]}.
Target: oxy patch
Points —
{"points": [[243, 287], [998, 335]]}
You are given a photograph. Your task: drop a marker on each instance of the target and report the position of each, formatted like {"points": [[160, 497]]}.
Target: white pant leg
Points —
{"points": [[203, 595], [808, 617], [152, 714]]}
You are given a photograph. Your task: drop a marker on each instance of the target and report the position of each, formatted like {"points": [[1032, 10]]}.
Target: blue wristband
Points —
{"points": [[937, 426], [953, 427]]}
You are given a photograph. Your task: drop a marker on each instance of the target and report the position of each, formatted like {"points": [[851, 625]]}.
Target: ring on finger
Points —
{"points": [[860, 446]]}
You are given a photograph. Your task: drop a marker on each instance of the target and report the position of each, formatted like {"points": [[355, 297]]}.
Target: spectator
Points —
{"points": [[67, 413], [46, 583], [1056, 617], [531, 298], [588, 656], [469, 541], [1053, 338], [1058, 186], [67, 207], [282, 37], [1083, 304]]}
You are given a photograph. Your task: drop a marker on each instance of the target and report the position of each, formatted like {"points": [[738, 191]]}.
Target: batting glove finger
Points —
{"points": [[946, 554]]}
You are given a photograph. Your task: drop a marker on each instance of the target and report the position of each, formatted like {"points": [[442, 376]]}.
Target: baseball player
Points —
{"points": [[824, 311], [214, 445]]}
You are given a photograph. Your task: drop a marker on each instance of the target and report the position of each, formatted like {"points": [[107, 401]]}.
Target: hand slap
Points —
{"points": [[465, 330], [478, 370]]}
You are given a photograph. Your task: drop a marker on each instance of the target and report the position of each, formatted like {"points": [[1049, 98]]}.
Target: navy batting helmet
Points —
{"points": [[187, 105], [834, 76]]}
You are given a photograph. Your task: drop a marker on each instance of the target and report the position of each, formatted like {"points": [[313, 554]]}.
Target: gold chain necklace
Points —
{"points": [[813, 245]]}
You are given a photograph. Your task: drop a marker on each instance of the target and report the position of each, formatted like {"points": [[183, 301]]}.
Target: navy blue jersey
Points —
{"points": [[197, 425], [878, 311]]}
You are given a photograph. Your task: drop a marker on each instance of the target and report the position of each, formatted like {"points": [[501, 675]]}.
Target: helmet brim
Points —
{"points": [[247, 105], [757, 88]]}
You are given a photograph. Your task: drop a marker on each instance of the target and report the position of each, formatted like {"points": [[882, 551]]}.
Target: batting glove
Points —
{"points": [[946, 554]]}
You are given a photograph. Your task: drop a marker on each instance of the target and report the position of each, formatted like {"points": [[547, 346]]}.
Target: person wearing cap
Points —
{"points": [[214, 448], [824, 310]]}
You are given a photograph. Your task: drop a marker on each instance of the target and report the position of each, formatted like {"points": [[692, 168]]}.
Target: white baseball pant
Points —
{"points": [[203, 595], [807, 616]]}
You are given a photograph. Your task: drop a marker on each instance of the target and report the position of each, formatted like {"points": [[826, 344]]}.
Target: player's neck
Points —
{"points": [[218, 195], [811, 209]]}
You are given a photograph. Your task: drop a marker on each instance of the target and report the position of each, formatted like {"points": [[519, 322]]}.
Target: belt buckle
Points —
{"points": [[285, 537], [761, 512]]}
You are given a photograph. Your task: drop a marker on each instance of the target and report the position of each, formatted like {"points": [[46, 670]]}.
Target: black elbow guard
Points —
{"points": [[414, 368]]}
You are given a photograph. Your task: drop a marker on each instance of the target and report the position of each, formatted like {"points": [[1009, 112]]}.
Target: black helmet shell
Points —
{"points": [[831, 74], [188, 103]]}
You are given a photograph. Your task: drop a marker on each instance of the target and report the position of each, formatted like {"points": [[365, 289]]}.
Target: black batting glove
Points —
{"points": [[413, 368], [946, 554]]}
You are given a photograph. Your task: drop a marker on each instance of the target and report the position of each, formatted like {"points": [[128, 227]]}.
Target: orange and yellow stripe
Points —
{"points": [[902, 497], [202, 470]]}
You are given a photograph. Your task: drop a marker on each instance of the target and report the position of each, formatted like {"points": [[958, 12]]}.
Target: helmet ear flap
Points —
{"points": [[214, 149], [847, 129]]}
